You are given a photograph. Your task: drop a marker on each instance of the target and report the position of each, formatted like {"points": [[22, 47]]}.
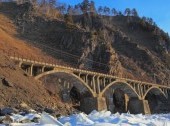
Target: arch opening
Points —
{"points": [[157, 100], [127, 88], [68, 76], [70, 89], [119, 101], [118, 95]]}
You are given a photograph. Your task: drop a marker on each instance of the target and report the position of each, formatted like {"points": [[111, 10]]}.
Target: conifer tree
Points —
{"points": [[85, 6], [70, 10], [100, 10], [134, 12], [114, 12], [92, 7], [127, 12], [106, 10], [52, 3], [68, 18]]}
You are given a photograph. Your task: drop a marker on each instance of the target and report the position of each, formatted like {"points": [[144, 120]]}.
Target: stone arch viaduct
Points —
{"points": [[97, 84]]}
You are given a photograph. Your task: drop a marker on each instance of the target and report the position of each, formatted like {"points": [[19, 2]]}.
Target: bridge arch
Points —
{"points": [[121, 82], [69, 73], [156, 90]]}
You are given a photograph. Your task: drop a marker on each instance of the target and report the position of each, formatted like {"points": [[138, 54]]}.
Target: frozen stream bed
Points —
{"points": [[103, 118]]}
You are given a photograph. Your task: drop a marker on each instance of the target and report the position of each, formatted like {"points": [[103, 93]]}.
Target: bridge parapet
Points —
{"points": [[97, 83], [103, 81]]}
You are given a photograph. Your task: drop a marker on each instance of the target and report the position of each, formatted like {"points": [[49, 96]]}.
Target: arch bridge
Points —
{"points": [[99, 85]]}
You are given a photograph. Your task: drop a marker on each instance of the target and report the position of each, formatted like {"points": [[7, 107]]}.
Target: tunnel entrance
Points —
{"points": [[119, 101]]}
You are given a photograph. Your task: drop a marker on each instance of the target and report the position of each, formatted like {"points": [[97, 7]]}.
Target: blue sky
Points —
{"points": [[159, 10]]}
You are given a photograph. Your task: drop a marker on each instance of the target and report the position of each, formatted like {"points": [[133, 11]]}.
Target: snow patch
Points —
{"points": [[95, 118]]}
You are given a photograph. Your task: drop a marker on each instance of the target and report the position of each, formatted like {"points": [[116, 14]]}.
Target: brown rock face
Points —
{"points": [[25, 89], [122, 46]]}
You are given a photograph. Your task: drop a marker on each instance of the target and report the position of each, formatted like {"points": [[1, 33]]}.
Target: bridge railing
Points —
{"points": [[54, 62], [47, 60]]}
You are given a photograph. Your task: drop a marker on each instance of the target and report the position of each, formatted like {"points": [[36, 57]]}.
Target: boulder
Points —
{"points": [[35, 120], [26, 121], [7, 120], [1, 78], [24, 105], [24, 112], [24, 108], [48, 110], [6, 111], [7, 82], [1, 82], [52, 112]]}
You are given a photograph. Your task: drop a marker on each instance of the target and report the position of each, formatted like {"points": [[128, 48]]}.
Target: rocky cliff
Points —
{"points": [[123, 46], [120, 45]]}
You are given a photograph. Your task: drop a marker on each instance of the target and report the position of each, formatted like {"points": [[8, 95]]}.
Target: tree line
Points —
{"points": [[81, 8], [54, 8]]}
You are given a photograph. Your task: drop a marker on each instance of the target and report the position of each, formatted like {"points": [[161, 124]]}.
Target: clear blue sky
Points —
{"points": [[159, 10]]}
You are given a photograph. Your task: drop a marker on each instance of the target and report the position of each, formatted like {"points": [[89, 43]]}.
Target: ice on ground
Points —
{"points": [[19, 118], [47, 119], [103, 118]]}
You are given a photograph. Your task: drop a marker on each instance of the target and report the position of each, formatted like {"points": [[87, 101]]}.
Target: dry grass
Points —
{"points": [[9, 42], [25, 88]]}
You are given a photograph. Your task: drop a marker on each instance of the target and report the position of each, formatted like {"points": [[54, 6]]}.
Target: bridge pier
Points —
{"points": [[20, 64], [31, 70], [43, 69], [136, 106], [89, 104], [110, 104], [146, 107], [28, 68], [126, 102], [98, 85]]}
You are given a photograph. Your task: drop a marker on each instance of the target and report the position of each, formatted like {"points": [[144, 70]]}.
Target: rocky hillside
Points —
{"points": [[16, 87], [121, 45]]}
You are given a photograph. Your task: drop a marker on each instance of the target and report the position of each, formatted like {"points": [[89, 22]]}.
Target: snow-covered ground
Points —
{"points": [[103, 118]]}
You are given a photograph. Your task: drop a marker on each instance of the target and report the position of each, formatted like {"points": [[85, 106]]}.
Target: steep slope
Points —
{"points": [[122, 46], [16, 86]]}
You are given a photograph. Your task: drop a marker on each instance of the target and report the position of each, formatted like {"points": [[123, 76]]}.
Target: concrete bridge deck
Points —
{"points": [[98, 84]]}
